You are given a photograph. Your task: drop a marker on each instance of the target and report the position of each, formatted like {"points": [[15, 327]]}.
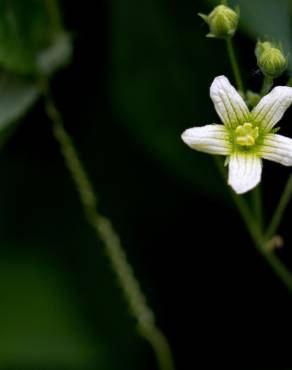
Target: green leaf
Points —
{"points": [[57, 55], [160, 82], [17, 95], [28, 28], [31, 43]]}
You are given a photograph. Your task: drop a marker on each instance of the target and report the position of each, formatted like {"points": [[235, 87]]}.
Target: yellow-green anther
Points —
{"points": [[270, 59], [246, 135], [223, 22]]}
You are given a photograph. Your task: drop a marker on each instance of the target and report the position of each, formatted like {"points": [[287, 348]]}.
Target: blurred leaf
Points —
{"points": [[269, 18], [27, 28], [17, 95], [159, 78], [56, 56], [39, 326], [31, 42]]}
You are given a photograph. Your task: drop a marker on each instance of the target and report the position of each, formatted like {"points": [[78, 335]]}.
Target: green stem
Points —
{"points": [[278, 214], [250, 223], [267, 84], [242, 206], [104, 231], [234, 65], [277, 266], [258, 206], [259, 240], [274, 262]]}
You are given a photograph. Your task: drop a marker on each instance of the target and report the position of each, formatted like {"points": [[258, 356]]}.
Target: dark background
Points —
{"points": [[140, 75]]}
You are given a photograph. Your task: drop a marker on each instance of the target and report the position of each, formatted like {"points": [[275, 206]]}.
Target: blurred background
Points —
{"points": [[138, 75]]}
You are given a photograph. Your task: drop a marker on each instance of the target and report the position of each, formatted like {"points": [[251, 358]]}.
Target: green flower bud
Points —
{"points": [[223, 22], [270, 59]]}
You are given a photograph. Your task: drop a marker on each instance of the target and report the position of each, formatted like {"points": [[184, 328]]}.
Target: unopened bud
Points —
{"points": [[270, 59], [223, 22]]}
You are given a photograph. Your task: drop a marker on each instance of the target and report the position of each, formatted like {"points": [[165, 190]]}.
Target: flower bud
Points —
{"points": [[222, 21], [270, 59]]}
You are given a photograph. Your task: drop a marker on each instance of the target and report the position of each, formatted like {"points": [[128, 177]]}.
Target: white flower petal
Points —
{"points": [[229, 105], [277, 148], [213, 139], [272, 107], [244, 172]]}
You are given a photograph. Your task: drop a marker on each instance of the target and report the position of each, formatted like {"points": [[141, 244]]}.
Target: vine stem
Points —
{"points": [[260, 240], [234, 64], [104, 230]]}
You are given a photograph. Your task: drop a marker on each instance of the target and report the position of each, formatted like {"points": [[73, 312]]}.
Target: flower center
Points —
{"points": [[246, 135]]}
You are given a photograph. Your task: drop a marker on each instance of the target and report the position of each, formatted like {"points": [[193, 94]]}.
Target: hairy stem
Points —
{"points": [[105, 231], [234, 65]]}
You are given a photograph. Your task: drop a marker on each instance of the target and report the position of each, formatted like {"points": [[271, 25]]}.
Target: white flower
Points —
{"points": [[245, 137]]}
